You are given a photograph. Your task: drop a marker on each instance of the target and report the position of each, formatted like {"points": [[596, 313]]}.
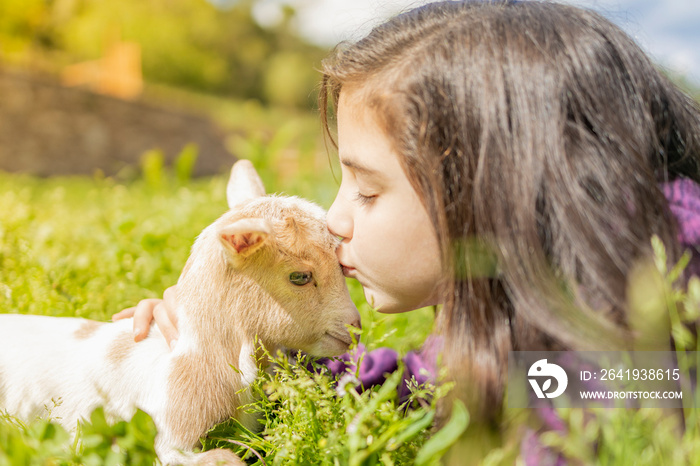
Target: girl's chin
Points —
{"points": [[382, 303], [387, 304]]}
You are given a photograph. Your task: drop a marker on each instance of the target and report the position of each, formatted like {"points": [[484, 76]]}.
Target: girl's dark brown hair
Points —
{"points": [[538, 132]]}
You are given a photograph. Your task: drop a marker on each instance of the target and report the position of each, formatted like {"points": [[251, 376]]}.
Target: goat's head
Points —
{"points": [[282, 248]]}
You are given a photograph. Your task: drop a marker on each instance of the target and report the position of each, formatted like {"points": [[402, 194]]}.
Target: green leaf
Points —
{"points": [[692, 301], [680, 266], [659, 254], [439, 443], [152, 167], [682, 336], [417, 422], [185, 162]]}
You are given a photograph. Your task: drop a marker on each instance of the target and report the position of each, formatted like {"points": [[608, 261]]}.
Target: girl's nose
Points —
{"points": [[339, 219]]}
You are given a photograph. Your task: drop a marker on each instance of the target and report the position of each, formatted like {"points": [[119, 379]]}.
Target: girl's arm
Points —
{"points": [[162, 311]]}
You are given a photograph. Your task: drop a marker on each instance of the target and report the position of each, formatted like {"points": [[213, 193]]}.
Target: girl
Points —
{"points": [[509, 161]]}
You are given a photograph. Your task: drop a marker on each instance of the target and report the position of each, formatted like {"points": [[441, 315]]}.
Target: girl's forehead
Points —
{"points": [[359, 98], [352, 102], [363, 145]]}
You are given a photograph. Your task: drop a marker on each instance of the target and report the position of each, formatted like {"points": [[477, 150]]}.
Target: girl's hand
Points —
{"points": [[160, 310]]}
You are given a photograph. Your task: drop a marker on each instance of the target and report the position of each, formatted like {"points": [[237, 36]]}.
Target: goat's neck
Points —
{"points": [[214, 309]]}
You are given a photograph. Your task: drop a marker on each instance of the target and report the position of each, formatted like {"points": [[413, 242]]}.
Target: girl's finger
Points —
{"points": [[165, 324], [125, 314], [169, 296], [143, 315]]}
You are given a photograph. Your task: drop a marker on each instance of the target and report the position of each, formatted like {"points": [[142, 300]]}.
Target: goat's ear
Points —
{"points": [[243, 184], [243, 237]]}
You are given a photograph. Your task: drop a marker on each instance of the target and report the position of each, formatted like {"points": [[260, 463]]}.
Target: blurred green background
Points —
{"points": [[187, 44], [251, 88]]}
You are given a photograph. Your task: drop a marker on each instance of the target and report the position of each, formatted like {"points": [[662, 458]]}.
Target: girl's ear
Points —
{"points": [[246, 236], [243, 184]]}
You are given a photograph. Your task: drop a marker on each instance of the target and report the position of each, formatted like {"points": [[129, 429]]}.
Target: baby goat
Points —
{"points": [[266, 269]]}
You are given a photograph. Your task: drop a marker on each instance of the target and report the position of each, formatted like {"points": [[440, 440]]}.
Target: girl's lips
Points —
{"points": [[348, 271]]}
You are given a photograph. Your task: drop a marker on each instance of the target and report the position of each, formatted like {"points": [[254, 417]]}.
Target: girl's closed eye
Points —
{"points": [[363, 199]]}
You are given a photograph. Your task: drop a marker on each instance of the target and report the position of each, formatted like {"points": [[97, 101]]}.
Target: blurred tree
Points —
{"points": [[185, 43], [287, 79]]}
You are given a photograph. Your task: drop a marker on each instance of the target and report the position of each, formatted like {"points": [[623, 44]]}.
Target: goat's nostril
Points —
{"points": [[357, 324]]}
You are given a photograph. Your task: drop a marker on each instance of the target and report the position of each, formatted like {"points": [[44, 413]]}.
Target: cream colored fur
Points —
{"points": [[234, 288]]}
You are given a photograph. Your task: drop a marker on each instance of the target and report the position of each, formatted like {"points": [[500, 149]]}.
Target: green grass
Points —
{"points": [[90, 247]]}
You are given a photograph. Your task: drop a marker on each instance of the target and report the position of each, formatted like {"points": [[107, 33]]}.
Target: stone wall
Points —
{"points": [[48, 129]]}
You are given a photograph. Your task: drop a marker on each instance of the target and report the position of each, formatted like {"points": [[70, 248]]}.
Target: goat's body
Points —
{"points": [[66, 367], [46, 358]]}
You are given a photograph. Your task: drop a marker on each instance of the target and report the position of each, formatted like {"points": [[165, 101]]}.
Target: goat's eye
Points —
{"points": [[300, 278]]}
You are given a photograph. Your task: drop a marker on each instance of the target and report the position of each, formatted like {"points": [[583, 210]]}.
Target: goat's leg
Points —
{"points": [[174, 445], [220, 456], [215, 457]]}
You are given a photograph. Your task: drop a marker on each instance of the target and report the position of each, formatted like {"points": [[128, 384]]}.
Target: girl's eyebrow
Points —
{"points": [[358, 167]]}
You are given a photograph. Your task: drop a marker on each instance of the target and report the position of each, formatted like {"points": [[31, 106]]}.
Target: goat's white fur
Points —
{"points": [[233, 290]]}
